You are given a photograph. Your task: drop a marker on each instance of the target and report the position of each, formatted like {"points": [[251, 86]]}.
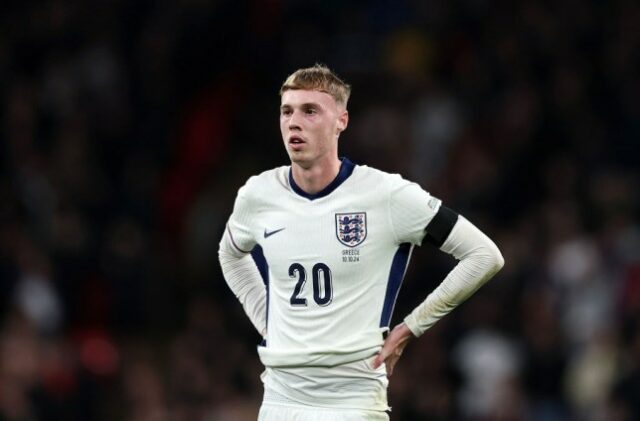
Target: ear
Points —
{"points": [[343, 121]]}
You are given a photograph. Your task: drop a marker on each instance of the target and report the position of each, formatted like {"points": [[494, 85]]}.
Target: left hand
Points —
{"points": [[393, 347]]}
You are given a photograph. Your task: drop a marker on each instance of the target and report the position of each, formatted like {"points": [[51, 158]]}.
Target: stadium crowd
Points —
{"points": [[127, 128]]}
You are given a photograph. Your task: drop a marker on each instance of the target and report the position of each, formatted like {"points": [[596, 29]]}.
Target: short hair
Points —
{"points": [[318, 78]]}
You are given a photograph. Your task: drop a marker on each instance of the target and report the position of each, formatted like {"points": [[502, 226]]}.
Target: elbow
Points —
{"points": [[497, 261], [493, 260]]}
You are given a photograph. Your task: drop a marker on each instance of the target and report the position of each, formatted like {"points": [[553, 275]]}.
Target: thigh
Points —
{"points": [[295, 413]]}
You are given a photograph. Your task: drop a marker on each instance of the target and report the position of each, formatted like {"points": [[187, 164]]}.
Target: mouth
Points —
{"points": [[296, 140], [296, 143]]}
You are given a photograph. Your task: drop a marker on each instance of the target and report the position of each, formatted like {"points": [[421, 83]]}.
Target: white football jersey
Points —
{"points": [[333, 262]]}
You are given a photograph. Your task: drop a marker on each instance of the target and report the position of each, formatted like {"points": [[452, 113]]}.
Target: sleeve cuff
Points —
{"points": [[411, 322]]}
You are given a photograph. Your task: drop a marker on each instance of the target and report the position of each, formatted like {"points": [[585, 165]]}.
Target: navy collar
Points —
{"points": [[346, 168]]}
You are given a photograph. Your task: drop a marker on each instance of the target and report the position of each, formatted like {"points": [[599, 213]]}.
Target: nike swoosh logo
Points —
{"points": [[269, 234]]}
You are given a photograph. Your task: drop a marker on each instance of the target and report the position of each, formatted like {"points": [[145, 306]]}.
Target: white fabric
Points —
{"points": [[355, 385], [276, 412], [348, 328], [479, 258], [244, 280], [320, 338]]}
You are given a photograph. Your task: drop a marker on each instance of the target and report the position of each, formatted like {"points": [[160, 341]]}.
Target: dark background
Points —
{"points": [[128, 126]]}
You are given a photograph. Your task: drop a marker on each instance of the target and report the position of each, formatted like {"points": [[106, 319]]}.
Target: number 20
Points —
{"points": [[322, 294]]}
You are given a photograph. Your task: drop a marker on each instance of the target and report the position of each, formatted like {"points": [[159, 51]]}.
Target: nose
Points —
{"points": [[293, 122]]}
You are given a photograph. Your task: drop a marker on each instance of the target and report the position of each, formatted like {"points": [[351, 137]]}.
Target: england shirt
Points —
{"points": [[333, 262]]}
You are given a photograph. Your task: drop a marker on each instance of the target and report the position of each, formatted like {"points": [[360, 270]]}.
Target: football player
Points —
{"points": [[316, 252]]}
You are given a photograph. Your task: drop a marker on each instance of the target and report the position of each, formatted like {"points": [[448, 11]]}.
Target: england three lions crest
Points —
{"points": [[351, 228]]}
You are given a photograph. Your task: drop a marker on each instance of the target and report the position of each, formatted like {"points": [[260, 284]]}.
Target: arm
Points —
{"points": [[479, 259], [243, 277]]}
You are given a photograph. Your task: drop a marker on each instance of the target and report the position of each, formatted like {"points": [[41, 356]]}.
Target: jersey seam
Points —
{"points": [[233, 242]]}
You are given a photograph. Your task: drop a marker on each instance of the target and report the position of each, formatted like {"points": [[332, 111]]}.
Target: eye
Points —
{"points": [[285, 112], [311, 111]]}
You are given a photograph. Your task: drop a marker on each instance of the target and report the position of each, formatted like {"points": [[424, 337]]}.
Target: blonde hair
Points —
{"points": [[318, 78]]}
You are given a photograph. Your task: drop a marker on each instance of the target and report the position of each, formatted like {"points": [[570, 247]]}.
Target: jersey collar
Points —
{"points": [[346, 168]]}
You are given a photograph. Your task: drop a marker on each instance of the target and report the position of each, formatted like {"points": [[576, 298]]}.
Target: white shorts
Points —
{"points": [[274, 412]]}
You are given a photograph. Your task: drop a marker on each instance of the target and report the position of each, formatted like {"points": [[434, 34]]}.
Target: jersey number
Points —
{"points": [[322, 293]]}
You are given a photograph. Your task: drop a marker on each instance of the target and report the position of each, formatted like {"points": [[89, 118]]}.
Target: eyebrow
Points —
{"points": [[303, 105]]}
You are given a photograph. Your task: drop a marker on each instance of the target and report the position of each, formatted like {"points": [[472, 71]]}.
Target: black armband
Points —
{"points": [[440, 226]]}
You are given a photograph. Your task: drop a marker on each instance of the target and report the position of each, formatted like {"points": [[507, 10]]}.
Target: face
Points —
{"points": [[310, 123]]}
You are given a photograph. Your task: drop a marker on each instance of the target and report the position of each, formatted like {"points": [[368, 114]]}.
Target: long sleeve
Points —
{"points": [[479, 259], [243, 277]]}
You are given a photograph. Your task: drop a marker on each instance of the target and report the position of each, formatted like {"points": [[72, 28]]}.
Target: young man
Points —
{"points": [[332, 241]]}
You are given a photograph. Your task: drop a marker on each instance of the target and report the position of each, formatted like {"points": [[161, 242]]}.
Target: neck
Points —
{"points": [[316, 177]]}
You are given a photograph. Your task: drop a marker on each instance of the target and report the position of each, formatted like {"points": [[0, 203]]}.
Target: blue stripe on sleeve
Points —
{"points": [[396, 275], [263, 268]]}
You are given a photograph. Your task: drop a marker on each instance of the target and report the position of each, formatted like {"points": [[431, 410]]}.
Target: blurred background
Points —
{"points": [[126, 128]]}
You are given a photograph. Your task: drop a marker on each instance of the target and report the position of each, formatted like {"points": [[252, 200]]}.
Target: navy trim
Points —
{"points": [[346, 168], [440, 226], [396, 275], [263, 268], [234, 241]]}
